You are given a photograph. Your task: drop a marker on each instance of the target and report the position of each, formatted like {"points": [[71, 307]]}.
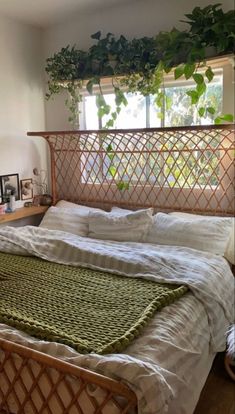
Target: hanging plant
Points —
{"points": [[139, 65]]}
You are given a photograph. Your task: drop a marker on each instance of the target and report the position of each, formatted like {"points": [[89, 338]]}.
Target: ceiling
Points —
{"points": [[43, 13]]}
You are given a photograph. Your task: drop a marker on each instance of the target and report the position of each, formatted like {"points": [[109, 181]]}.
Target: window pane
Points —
{"points": [[187, 162], [154, 119], [131, 116], [91, 118], [182, 113], [134, 114], [168, 168]]}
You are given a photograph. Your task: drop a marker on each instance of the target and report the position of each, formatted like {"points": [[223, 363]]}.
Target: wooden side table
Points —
{"points": [[22, 212], [230, 353]]}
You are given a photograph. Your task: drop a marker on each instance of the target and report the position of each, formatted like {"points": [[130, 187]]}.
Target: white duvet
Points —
{"points": [[160, 363]]}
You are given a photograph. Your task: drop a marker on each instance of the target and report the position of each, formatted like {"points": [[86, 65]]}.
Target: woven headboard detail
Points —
{"points": [[183, 168]]}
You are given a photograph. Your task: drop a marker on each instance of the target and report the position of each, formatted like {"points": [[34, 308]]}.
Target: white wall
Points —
{"points": [[142, 18], [21, 99]]}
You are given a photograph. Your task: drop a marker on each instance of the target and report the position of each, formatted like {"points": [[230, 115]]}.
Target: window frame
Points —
{"points": [[220, 66]]}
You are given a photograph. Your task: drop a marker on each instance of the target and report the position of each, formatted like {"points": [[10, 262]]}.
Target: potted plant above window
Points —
{"points": [[139, 65]]}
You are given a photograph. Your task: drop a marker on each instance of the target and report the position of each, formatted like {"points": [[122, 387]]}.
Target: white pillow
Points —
{"points": [[121, 211], [118, 211], [82, 209], [131, 226], [66, 219], [201, 234], [229, 253]]}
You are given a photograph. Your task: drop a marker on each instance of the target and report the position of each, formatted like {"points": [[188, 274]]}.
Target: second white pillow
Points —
{"points": [[229, 253], [201, 234]]}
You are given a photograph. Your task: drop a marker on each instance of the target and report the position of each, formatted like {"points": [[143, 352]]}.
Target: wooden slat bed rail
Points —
{"points": [[182, 168], [31, 381]]}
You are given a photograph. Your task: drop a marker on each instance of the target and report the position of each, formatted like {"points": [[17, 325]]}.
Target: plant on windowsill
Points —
{"points": [[139, 65]]}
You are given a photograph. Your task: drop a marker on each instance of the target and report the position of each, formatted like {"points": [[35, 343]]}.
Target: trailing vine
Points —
{"points": [[139, 65]]}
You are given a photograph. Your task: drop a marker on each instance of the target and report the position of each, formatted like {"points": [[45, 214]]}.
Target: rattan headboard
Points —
{"points": [[184, 168]]}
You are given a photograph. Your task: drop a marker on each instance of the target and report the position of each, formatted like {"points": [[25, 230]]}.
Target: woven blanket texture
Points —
{"points": [[91, 311]]}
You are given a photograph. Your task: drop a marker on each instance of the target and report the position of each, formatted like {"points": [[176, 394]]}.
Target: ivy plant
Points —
{"points": [[139, 65]]}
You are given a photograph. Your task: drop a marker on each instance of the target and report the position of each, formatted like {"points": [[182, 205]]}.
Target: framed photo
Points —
{"points": [[10, 185], [26, 187]]}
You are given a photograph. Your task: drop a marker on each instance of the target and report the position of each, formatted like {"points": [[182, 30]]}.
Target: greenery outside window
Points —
{"points": [[141, 112]]}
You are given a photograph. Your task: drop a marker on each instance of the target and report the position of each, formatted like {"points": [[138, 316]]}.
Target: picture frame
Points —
{"points": [[26, 189], [9, 184]]}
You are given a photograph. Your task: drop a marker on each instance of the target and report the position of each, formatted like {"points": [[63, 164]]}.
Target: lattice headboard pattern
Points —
{"points": [[183, 168]]}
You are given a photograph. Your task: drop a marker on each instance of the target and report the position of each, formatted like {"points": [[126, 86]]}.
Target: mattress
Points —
{"points": [[168, 364], [177, 340]]}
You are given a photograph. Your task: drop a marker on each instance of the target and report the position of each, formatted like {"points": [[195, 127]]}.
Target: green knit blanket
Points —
{"points": [[89, 310]]}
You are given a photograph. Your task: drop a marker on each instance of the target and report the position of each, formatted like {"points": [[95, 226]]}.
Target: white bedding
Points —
{"points": [[160, 366]]}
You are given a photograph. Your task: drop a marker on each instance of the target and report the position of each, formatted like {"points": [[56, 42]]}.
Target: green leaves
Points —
{"points": [[211, 110], [120, 98], [103, 108], [109, 124], [201, 88], [209, 74], [189, 69], [179, 71], [224, 118], [159, 100], [122, 185], [198, 78], [194, 96], [110, 153], [212, 27], [112, 170], [93, 81], [201, 111], [96, 35], [141, 63], [204, 111]]}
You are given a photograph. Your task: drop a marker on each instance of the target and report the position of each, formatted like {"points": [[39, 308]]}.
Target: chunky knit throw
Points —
{"points": [[91, 311]]}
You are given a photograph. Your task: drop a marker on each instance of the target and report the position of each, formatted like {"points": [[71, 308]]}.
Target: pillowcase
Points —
{"points": [[121, 211], [229, 253], [118, 211], [66, 219], [82, 209], [201, 234], [131, 226]]}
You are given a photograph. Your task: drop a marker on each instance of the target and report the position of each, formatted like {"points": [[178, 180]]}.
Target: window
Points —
{"points": [[170, 168], [142, 112]]}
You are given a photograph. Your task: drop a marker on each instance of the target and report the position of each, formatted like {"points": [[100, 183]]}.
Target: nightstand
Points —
{"points": [[22, 213]]}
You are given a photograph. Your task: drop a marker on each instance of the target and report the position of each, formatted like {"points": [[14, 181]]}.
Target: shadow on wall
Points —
{"points": [[22, 154]]}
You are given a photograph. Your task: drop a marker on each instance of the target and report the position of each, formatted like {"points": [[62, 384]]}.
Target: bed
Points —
{"points": [[174, 170]]}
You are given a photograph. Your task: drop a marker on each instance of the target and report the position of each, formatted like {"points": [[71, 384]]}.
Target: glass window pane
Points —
{"points": [[182, 113], [134, 114], [91, 117], [154, 111], [158, 167], [131, 116]]}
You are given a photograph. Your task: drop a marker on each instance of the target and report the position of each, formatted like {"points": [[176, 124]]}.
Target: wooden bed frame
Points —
{"points": [[186, 169], [19, 361]]}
